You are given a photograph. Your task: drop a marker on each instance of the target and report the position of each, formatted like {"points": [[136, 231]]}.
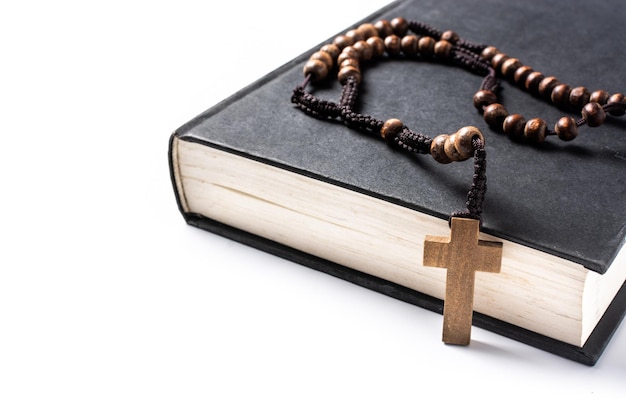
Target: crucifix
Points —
{"points": [[462, 254]]}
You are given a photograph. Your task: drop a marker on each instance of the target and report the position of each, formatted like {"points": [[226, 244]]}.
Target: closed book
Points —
{"points": [[256, 169]]}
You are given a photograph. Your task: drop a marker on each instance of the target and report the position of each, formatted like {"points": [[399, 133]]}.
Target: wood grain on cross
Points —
{"points": [[462, 254]]}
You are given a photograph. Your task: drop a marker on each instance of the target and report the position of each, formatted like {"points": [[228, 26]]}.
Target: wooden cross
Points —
{"points": [[462, 254]]}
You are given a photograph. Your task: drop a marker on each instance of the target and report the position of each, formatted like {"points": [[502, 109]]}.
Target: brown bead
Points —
{"points": [[367, 30], [442, 50], [347, 71], [513, 126], [489, 52], [463, 141], [393, 45], [616, 98], [318, 70], [355, 35], [450, 36], [343, 41], [384, 28], [546, 86], [535, 130], [494, 115], [520, 75], [532, 82], [426, 46], [560, 95], [509, 67], [378, 46], [483, 98], [350, 62], [578, 97], [408, 45], [594, 114], [498, 59], [364, 49], [349, 55], [566, 128], [599, 96], [437, 149], [324, 57], [332, 50], [390, 129], [400, 26]]}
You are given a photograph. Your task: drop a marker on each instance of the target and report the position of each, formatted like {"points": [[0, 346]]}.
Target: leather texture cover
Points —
{"points": [[564, 198]]}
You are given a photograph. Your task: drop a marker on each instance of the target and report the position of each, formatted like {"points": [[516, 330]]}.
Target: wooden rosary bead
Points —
{"points": [[442, 50], [324, 57], [535, 130], [489, 52], [408, 44], [426, 46], [383, 27], [348, 71], [616, 98], [332, 50], [463, 140], [578, 97], [378, 46], [521, 74], [390, 129], [498, 59], [594, 114], [367, 30], [318, 70], [494, 115], [350, 62], [513, 126], [355, 35], [599, 96], [437, 149], [483, 98], [509, 67], [343, 41], [560, 95], [393, 45], [364, 49], [546, 86], [566, 128], [532, 82], [450, 36], [400, 26]]}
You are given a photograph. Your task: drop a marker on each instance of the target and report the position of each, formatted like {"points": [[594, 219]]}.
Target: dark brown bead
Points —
{"points": [[426, 46], [450, 36], [343, 41], [437, 149], [347, 71], [594, 114], [578, 97], [391, 128], [509, 67], [532, 82], [442, 50], [489, 52], [332, 50], [535, 130], [494, 115], [483, 98], [409, 45], [560, 95], [463, 141], [520, 75], [324, 57], [350, 62], [546, 86], [400, 26], [318, 70], [616, 98], [393, 45], [378, 46], [384, 28], [566, 128], [367, 30], [498, 59], [599, 96], [355, 35], [364, 49], [513, 126], [344, 56]]}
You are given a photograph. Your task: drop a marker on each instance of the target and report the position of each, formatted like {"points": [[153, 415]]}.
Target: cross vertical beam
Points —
{"points": [[462, 254]]}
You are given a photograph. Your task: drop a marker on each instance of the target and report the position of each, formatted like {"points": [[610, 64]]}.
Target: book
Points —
{"points": [[257, 170]]}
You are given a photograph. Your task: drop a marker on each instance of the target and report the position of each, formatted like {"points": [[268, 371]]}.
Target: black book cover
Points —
{"points": [[564, 198]]}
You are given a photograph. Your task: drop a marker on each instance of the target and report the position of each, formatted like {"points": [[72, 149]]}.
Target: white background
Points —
{"points": [[110, 305]]}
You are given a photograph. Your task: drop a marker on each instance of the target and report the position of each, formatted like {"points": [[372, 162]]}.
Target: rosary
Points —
{"points": [[462, 253]]}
